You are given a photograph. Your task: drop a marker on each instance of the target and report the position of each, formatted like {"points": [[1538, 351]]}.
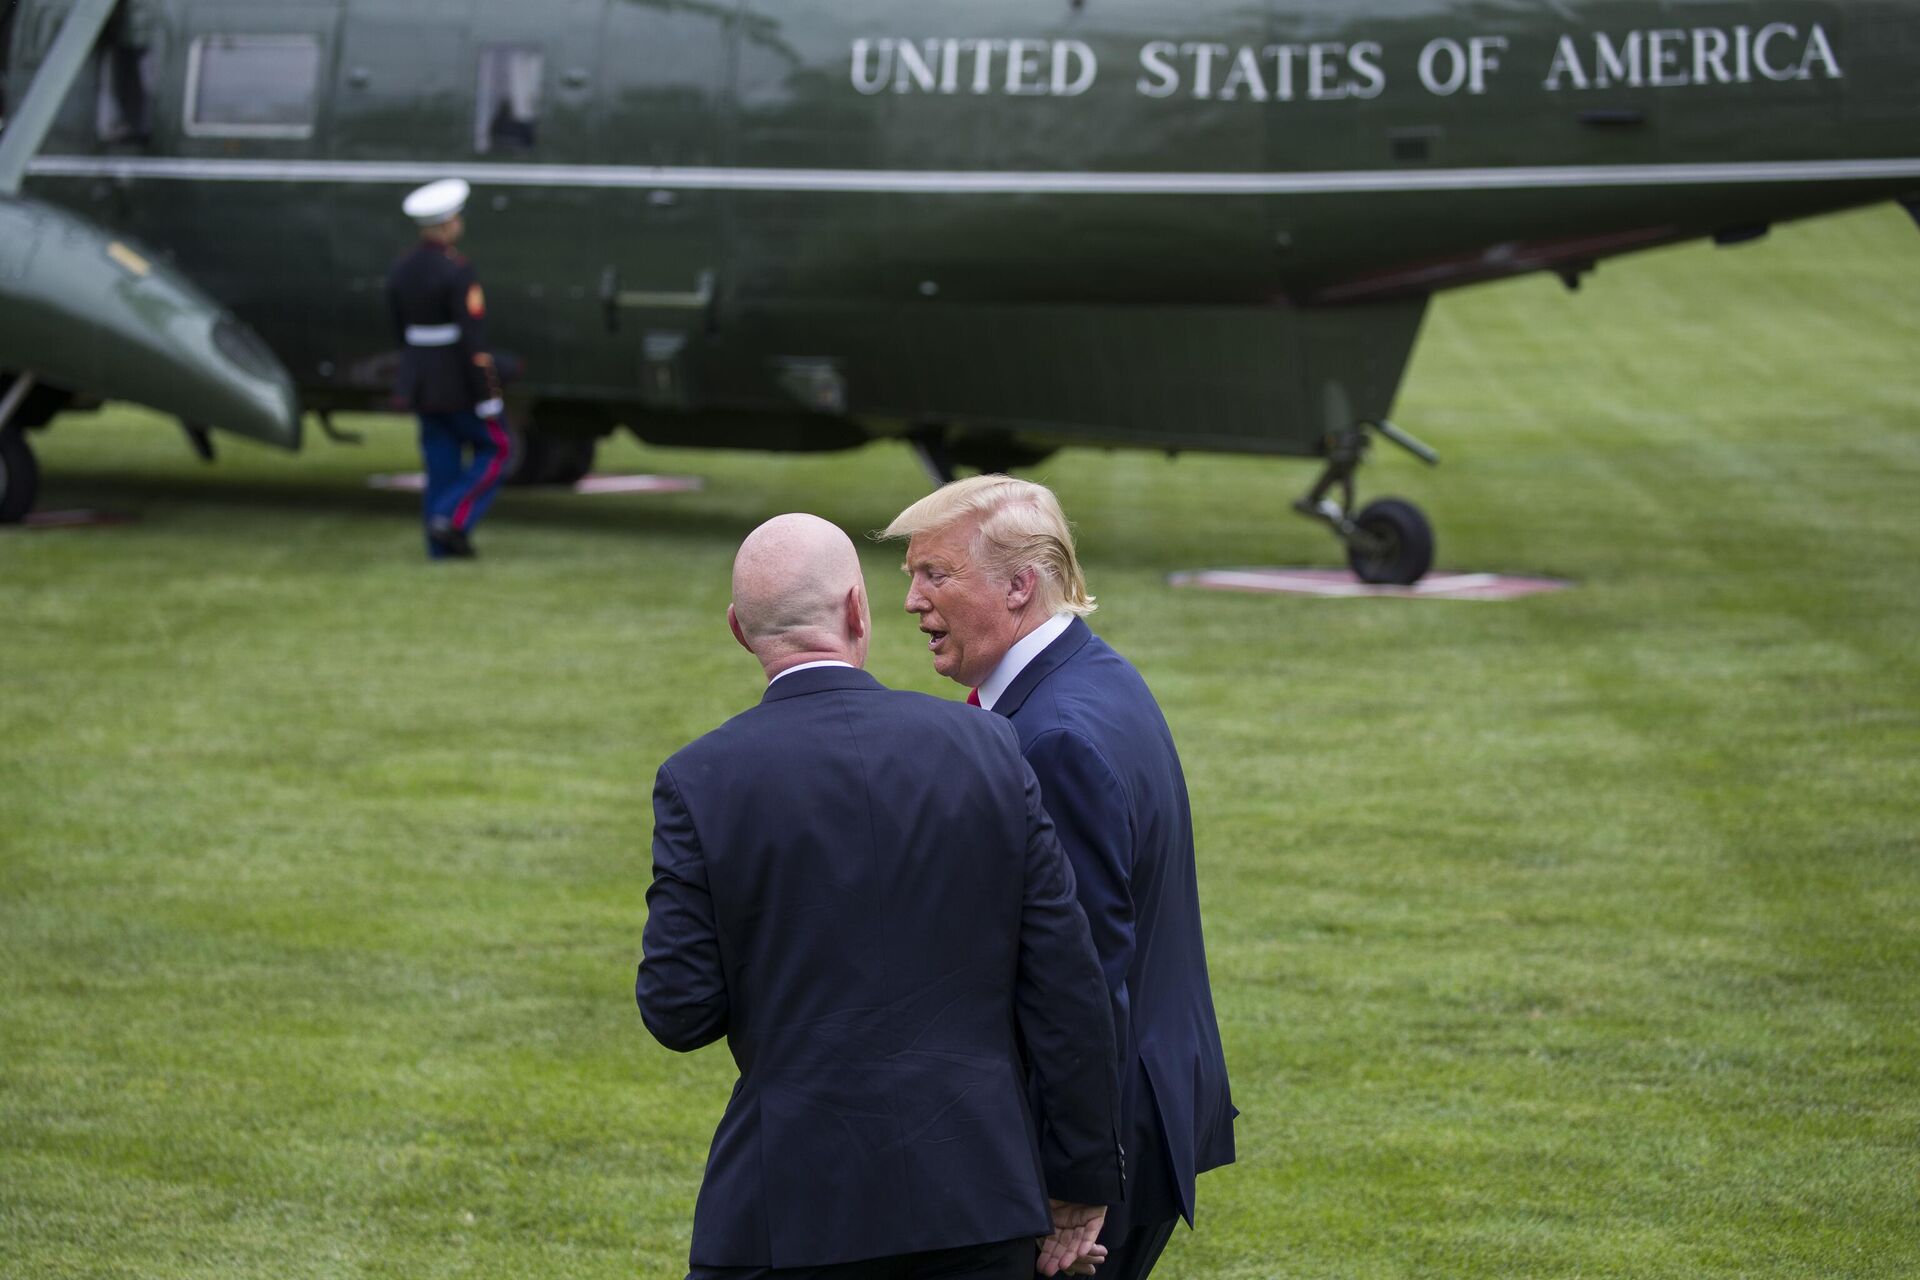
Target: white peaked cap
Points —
{"points": [[437, 202]]}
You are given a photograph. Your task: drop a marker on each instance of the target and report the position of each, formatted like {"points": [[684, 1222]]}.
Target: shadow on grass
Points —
{"points": [[154, 499], [860, 491]]}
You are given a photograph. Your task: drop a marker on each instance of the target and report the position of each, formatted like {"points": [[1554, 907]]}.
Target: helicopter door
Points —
{"points": [[111, 107], [530, 85], [664, 72]]}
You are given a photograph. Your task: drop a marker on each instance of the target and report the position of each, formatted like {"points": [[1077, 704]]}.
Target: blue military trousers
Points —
{"points": [[465, 457]]}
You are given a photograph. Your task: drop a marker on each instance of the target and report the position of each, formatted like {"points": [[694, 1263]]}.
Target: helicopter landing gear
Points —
{"points": [[1390, 541], [935, 460], [943, 453], [19, 472], [553, 458]]}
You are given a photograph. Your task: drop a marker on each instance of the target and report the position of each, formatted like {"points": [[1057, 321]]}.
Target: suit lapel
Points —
{"points": [[1049, 660]]}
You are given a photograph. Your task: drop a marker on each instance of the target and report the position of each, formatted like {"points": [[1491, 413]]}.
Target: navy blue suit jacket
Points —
{"points": [[1112, 783], [859, 889]]}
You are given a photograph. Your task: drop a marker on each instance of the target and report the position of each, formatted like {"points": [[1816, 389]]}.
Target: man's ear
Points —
{"points": [[1020, 590], [733, 625], [856, 612]]}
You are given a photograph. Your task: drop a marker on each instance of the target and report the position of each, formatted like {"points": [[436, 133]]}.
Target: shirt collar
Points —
{"points": [[1025, 650], [809, 666]]}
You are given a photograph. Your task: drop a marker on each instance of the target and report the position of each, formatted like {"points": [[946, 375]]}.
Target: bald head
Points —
{"points": [[798, 595]]}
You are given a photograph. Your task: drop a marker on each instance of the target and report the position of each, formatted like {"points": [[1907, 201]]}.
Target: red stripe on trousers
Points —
{"points": [[501, 444]]}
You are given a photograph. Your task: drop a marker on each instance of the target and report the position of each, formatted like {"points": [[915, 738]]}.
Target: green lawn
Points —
{"points": [[1577, 936]]}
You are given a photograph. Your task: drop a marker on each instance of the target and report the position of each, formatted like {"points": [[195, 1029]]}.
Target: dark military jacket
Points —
{"points": [[439, 317]]}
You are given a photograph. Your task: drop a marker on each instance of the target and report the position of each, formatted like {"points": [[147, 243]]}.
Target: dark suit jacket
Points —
{"points": [[1112, 783], [859, 889]]}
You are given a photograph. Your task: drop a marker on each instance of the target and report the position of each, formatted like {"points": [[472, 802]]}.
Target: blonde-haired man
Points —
{"points": [[1000, 595]]}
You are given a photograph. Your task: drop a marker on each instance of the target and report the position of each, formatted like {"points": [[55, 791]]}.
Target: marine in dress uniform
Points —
{"points": [[447, 374]]}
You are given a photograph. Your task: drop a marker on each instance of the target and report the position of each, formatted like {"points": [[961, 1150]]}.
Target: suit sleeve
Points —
{"points": [[1095, 825], [681, 987], [1065, 1023]]}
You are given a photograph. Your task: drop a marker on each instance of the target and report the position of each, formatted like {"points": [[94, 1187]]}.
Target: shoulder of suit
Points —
{"points": [[1082, 701], [943, 706], [956, 715], [1098, 664], [1096, 650], [917, 698], [715, 743]]}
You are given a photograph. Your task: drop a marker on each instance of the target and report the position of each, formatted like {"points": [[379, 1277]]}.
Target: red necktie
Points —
{"points": [[973, 697]]}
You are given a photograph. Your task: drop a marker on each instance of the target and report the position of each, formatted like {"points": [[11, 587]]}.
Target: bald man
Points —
{"points": [[859, 889]]}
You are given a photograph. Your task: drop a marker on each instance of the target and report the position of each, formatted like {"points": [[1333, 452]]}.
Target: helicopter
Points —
{"points": [[986, 230]]}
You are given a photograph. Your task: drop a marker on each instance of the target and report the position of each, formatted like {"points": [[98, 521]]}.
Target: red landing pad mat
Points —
{"points": [[414, 482], [1341, 584], [79, 518]]}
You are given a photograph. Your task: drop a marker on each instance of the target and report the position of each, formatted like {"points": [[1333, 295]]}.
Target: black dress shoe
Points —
{"points": [[451, 542]]}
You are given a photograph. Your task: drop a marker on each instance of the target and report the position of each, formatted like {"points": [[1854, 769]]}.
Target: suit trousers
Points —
{"points": [[1132, 1256], [1009, 1260]]}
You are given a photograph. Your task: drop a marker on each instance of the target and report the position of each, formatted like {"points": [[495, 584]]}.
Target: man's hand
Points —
{"points": [[1071, 1248]]}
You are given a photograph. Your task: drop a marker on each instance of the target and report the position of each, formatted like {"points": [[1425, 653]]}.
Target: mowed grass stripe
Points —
{"points": [[1570, 937]]}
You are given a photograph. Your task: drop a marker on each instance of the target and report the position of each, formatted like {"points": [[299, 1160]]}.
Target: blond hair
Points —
{"points": [[1020, 527]]}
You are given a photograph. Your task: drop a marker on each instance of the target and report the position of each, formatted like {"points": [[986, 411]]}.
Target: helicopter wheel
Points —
{"points": [[1402, 544], [540, 458], [19, 476]]}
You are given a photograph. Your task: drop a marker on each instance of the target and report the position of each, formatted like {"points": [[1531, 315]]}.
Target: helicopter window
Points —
{"points": [[252, 86], [507, 98]]}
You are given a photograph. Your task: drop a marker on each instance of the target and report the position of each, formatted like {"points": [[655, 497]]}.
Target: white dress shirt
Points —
{"points": [[1025, 650], [808, 666]]}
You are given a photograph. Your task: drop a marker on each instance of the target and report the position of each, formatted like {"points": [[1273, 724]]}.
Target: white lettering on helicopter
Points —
{"points": [[1446, 66], [1328, 71], [1274, 73], [1017, 68], [1674, 58]]}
